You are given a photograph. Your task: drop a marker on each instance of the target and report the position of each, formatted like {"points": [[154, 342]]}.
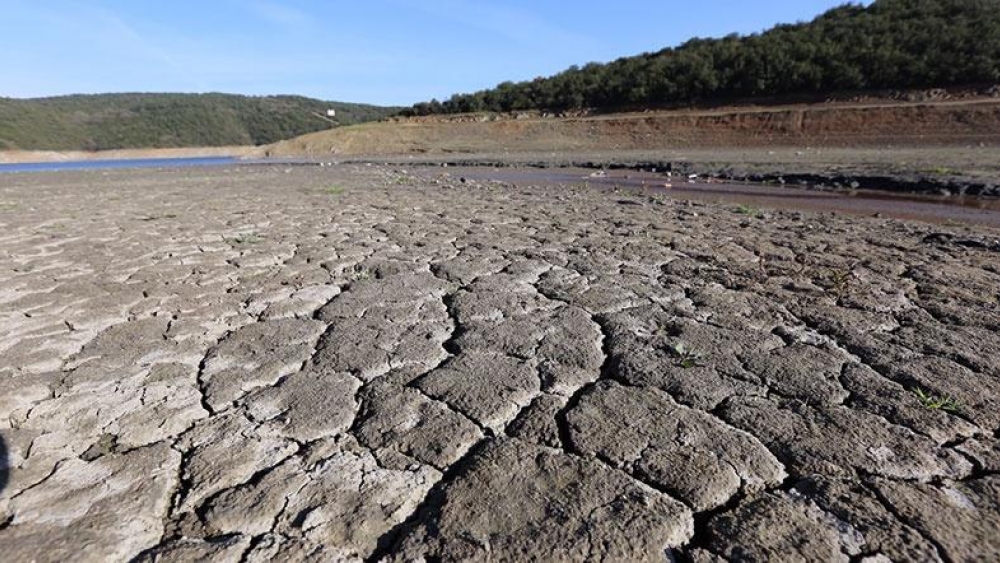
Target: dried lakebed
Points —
{"points": [[351, 363]]}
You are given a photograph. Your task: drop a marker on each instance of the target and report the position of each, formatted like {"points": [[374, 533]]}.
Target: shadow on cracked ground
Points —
{"points": [[4, 465]]}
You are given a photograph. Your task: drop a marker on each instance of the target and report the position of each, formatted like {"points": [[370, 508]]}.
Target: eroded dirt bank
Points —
{"points": [[269, 363], [964, 123]]}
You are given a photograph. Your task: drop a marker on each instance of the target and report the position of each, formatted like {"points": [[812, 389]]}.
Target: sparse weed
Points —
{"points": [[749, 211], [940, 171], [244, 239], [841, 283], [334, 190], [937, 402], [360, 273], [686, 357], [657, 330]]}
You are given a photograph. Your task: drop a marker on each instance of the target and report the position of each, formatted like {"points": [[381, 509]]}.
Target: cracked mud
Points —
{"points": [[350, 364]]}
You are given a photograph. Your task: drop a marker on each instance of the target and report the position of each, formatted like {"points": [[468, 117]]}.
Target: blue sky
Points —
{"points": [[376, 51]]}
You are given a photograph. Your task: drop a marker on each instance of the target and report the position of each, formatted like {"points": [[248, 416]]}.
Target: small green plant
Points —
{"points": [[937, 402], [841, 283], [686, 357], [245, 238], [940, 171], [401, 180], [334, 190], [749, 211], [360, 273]]}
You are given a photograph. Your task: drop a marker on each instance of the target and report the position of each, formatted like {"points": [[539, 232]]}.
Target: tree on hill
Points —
{"points": [[892, 44], [114, 121]]}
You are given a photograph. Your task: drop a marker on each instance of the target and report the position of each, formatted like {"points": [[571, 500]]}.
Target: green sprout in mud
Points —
{"points": [[686, 357], [334, 190], [840, 283], [937, 402]]}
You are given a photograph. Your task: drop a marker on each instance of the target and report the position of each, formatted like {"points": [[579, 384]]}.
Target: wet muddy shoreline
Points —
{"points": [[940, 210]]}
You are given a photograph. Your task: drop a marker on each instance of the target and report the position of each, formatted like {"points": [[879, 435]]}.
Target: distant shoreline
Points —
{"points": [[23, 157]]}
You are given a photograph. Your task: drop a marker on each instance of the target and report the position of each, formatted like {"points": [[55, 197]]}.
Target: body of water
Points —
{"points": [[122, 163]]}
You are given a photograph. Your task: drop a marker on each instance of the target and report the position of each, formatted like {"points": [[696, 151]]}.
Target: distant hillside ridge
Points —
{"points": [[125, 121], [892, 44]]}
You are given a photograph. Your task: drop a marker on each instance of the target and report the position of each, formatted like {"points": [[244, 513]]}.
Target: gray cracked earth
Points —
{"points": [[308, 364]]}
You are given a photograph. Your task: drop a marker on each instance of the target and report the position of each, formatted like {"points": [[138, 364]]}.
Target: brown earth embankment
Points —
{"points": [[966, 122]]}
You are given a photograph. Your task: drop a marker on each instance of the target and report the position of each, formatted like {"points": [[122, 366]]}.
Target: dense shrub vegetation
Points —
{"points": [[892, 44], [113, 121]]}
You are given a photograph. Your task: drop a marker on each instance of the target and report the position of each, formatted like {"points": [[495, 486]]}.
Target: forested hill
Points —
{"points": [[892, 44], [115, 121]]}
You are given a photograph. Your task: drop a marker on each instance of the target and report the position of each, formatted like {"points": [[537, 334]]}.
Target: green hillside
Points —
{"points": [[892, 44], [114, 121]]}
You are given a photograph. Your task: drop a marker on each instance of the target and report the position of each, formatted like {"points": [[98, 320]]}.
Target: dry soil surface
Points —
{"points": [[350, 363]]}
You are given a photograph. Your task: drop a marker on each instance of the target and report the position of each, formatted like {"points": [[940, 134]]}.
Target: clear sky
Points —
{"points": [[376, 51]]}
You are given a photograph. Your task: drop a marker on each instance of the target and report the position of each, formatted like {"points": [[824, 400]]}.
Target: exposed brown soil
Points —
{"points": [[955, 122]]}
